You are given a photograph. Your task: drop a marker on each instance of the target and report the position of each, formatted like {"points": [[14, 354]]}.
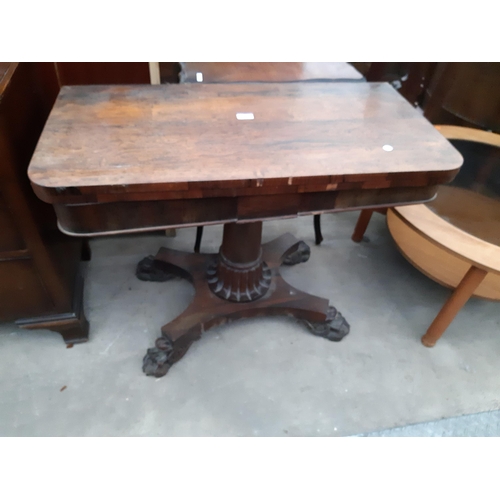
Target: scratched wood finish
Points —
{"points": [[134, 142]]}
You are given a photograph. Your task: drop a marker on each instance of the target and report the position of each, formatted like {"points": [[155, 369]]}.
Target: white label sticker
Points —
{"points": [[199, 77], [387, 147], [244, 116]]}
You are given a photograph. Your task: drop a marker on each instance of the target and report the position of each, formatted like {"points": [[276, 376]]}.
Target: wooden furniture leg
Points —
{"points": [[73, 326], [317, 229], [459, 297], [361, 225], [241, 281], [199, 235], [86, 251]]}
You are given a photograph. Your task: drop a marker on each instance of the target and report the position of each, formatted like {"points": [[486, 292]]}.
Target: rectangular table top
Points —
{"points": [[178, 137]]}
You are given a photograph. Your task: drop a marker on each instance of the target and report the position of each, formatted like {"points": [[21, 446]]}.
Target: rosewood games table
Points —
{"points": [[118, 159]]}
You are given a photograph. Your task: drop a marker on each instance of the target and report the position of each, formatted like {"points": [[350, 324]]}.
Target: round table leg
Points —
{"points": [[459, 297]]}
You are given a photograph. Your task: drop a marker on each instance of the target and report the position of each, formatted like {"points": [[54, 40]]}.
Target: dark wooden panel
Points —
{"points": [[465, 94], [107, 73], [169, 72], [140, 215], [48, 260], [21, 292], [384, 197], [45, 85], [24, 108], [10, 237], [133, 216], [317, 202], [265, 207]]}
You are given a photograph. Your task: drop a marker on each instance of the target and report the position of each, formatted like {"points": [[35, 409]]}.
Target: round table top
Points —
{"points": [[470, 211], [465, 216], [472, 201]]}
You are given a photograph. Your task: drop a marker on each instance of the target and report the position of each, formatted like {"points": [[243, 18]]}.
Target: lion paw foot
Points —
{"points": [[335, 327], [156, 362], [149, 269], [300, 255]]}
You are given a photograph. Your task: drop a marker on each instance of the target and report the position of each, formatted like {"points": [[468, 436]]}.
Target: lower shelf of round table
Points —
{"points": [[434, 261]]}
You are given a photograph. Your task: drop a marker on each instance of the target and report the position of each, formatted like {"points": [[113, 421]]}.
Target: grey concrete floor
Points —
{"points": [[259, 377], [485, 424]]}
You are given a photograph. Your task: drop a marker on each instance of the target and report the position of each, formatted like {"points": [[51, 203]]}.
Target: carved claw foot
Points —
{"points": [[300, 255], [335, 327], [158, 360], [155, 363], [149, 269]]}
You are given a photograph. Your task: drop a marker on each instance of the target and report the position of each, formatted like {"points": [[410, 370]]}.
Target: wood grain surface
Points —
{"points": [[225, 72], [140, 141]]}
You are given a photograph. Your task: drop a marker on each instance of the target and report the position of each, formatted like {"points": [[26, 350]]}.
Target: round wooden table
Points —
{"points": [[455, 239]]}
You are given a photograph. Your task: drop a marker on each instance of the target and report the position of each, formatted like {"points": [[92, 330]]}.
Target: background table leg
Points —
{"points": [[361, 225]]}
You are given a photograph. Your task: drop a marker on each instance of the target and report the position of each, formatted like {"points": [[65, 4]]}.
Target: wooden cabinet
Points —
{"points": [[10, 238], [40, 284]]}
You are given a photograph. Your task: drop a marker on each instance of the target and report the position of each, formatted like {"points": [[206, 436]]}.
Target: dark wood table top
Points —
{"points": [[143, 141]]}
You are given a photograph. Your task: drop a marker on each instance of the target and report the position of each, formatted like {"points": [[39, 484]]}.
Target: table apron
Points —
{"points": [[92, 219]]}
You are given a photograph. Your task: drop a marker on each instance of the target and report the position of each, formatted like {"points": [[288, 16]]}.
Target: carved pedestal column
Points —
{"points": [[238, 273]]}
